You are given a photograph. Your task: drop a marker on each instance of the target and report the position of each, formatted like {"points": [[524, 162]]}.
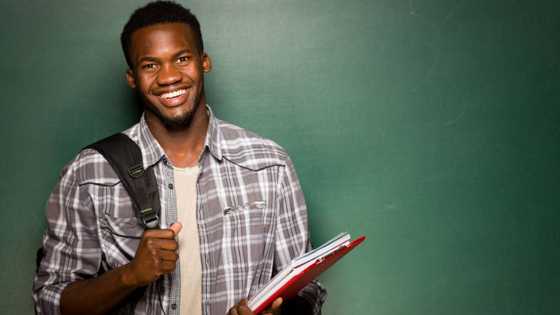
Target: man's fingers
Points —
{"points": [[164, 244], [158, 233], [274, 307], [244, 308], [168, 266], [169, 233], [176, 228], [241, 309], [277, 303], [236, 309], [168, 255]]}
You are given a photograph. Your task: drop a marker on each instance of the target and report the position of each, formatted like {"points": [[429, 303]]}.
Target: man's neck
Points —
{"points": [[182, 146]]}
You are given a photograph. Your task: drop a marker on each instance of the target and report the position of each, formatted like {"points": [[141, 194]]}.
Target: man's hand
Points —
{"points": [[243, 309], [156, 255]]}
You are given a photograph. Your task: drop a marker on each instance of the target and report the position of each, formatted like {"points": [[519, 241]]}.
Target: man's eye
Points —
{"points": [[183, 59], [149, 66]]}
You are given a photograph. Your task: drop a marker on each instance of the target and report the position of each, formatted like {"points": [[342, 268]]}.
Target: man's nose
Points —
{"points": [[168, 75]]}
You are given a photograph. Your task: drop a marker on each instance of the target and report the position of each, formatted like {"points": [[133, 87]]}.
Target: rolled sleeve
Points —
{"points": [[292, 236], [70, 244]]}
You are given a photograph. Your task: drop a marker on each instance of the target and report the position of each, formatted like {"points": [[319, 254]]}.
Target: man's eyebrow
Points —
{"points": [[184, 51], [147, 58], [152, 58]]}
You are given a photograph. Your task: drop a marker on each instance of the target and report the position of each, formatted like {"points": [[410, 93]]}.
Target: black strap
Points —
{"points": [[125, 158]]}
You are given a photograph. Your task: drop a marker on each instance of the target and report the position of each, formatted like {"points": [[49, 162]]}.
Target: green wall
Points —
{"points": [[432, 127]]}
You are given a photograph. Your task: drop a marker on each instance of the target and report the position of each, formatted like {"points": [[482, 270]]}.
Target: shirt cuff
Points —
{"points": [[47, 299]]}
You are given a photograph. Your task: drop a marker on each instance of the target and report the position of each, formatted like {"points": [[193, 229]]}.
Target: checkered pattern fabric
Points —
{"points": [[252, 220]]}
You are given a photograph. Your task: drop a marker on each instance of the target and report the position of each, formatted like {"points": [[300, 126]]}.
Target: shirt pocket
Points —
{"points": [[250, 215], [121, 229], [246, 232], [126, 227]]}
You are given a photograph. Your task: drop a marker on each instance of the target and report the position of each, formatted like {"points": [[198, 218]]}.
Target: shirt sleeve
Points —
{"points": [[292, 236], [70, 243]]}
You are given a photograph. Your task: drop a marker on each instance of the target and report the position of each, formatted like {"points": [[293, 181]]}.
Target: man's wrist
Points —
{"points": [[127, 277]]}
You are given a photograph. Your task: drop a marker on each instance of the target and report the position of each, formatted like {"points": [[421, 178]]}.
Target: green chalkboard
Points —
{"points": [[432, 127]]}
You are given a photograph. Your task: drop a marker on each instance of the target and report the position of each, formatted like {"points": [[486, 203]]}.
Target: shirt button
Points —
{"points": [[173, 306], [170, 186]]}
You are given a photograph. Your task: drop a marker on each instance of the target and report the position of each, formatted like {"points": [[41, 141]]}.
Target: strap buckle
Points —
{"points": [[150, 218], [136, 171]]}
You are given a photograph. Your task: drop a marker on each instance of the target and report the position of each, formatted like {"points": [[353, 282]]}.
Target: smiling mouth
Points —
{"points": [[174, 98], [173, 94]]}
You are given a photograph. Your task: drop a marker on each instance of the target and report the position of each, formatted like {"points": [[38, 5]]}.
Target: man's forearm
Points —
{"points": [[99, 295], [155, 256]]}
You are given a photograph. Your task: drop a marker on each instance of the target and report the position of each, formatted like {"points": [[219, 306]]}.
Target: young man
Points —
{"points": [[235, 196]]}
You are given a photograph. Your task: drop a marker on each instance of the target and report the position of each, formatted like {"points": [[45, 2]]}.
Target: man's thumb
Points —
{"points": [[176, 227]]}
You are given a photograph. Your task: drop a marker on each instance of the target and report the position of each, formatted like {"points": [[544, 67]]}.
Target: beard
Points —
{"points": [[172, 123]]}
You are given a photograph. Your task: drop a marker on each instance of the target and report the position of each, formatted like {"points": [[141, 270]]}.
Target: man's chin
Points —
{"points": [[178, 122], [172, 122]]}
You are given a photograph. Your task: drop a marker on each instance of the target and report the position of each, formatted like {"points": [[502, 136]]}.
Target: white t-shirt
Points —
{"points": [[189, 246]]}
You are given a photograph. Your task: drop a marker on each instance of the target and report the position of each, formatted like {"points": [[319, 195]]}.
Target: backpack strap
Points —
{"points": [[125, 158]]}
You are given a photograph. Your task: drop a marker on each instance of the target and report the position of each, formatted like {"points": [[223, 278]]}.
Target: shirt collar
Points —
{"points": [[213, 136], [152, 152]]}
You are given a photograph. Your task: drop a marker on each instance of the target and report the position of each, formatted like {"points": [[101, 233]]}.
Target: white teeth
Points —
{"points": [[173, 94]]}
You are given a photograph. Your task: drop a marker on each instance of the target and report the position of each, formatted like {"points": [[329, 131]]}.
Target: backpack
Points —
{"points": [[125, 158]]}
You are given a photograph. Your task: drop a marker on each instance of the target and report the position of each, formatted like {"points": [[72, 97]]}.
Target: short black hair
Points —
{"points": [[158, 12]]}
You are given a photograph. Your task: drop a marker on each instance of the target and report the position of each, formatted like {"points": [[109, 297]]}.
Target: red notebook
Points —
{"points": [[290, 281]]}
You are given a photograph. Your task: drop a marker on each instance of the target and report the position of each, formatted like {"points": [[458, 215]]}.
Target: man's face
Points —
{"points": [[167, 71]]}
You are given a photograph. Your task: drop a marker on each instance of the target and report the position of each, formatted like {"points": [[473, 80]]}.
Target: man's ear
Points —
{"points": [[206, 63], [130, 79]]}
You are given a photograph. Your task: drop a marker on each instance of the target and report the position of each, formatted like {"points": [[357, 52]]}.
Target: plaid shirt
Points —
{"points": [[252, 220]]}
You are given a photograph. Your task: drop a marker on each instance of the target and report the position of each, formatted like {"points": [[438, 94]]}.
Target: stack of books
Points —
{"points": [[302, 270]]}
